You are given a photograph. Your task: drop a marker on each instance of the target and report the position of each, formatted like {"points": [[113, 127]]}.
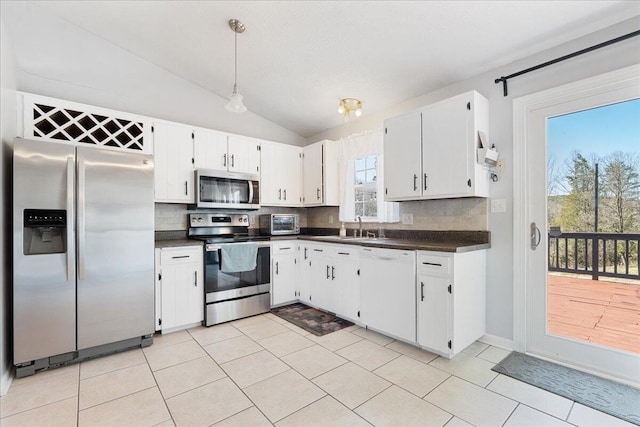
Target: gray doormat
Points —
{"points": [[608, 396], [311, 320]]}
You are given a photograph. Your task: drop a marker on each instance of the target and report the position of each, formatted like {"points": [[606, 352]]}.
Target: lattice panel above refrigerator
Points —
{"points": [[58, 120]]}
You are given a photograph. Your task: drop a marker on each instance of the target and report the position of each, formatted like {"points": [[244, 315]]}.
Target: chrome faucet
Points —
{"points": [[360, 224]]}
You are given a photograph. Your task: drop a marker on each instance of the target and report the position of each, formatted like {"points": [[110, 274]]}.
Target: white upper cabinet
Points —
{"points": [[320, 168], [243, 155], [210, 149], [221, 151], [431, 153], [402, 157], [281, 175], [173, 158]]}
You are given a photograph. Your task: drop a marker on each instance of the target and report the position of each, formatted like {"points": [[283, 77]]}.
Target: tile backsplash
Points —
{"points": [[447, 214]]}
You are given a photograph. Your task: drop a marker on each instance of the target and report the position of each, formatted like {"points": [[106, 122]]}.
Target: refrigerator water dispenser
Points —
{"points": [[45, 231]]}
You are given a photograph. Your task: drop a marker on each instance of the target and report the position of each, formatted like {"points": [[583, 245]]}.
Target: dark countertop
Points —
{"points": [[412, 240], [176, 243], [406, 244]]}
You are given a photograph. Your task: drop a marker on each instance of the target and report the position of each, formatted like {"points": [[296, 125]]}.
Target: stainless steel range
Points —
{"points": [[234, 294]]}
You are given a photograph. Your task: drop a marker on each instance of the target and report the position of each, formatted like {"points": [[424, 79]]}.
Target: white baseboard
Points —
{"points": [[497, 341], [5, 381]]}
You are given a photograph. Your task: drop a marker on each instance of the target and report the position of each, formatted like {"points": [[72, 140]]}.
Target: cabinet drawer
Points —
{"points": [[434, 264], [175, 256], [346, 252], [280, 248]]}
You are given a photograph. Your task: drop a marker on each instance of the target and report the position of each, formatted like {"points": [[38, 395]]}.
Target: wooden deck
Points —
{"points": [[600, 312]]}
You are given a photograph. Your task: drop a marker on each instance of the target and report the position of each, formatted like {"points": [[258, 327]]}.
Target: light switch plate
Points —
{"points": [[500, 166], [407, 219], [498, 205]]}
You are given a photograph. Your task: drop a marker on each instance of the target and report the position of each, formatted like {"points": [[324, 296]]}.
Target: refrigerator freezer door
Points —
{"points": [[115, 246], [44, 284]]}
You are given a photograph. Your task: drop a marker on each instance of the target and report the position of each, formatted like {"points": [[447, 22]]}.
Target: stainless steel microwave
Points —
{"points": [[279, 224], [232, 190]]}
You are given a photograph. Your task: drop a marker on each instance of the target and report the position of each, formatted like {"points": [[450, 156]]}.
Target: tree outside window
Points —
{"points": [[365, 187]]}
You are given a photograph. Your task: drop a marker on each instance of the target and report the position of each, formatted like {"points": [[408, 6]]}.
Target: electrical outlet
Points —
{"points": [[498, 205], [252, 220], [330, 219], [407, 219], [500, 166]]}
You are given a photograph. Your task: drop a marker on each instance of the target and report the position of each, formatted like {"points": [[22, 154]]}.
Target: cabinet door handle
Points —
{"points": [[425, 181], [233, 160], [280, 194], [186, 188], [421, 291], [432, 263], [328, 275], [285, 194], [318, 193], [224, 160], [344, 253], [277, 268], [285, 249], [195, 278], [415, 182], [181, 256], [305, 253], [333, 273], [318, 250]]}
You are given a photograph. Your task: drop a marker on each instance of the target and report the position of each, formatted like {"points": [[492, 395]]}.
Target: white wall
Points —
{"points": [[75, 65], [8, 72], [500, 257]]}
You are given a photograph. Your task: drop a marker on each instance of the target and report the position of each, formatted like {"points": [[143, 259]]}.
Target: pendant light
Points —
{"points": [[235, 104]]}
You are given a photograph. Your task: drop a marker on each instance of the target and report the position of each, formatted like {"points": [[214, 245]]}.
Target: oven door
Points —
{"points": [[221, 286], [218, 189]]}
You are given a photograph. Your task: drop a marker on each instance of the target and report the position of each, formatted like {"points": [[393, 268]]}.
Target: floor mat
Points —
{"points": [[311, 320], [608, 396]]}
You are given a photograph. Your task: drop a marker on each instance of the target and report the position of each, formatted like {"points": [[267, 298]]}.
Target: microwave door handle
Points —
{"points": [[251, 192]]}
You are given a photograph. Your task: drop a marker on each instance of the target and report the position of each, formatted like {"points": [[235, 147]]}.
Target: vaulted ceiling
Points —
{"points": [[298, 58]]}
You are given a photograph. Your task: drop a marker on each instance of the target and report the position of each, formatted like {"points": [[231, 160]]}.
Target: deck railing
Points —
{"points": [[613, 254]]}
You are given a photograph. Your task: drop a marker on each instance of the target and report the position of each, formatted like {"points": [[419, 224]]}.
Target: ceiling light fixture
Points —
{"points": [[235, 104], [347, 105]]}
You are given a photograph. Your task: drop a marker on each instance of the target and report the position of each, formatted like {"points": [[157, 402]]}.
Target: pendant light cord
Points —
{"points": [[235, 82]]}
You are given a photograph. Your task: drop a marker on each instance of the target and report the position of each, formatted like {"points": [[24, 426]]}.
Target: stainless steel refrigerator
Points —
{"points": [[83, 243]]}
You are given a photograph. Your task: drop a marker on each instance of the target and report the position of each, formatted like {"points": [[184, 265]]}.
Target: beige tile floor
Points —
{"points": [[263, 371]]}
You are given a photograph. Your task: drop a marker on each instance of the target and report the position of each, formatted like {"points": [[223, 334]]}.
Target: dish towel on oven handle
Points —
{"points": [[238, 257]]}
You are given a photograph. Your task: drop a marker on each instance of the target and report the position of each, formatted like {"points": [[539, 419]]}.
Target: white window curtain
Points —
{"points": [[355, 147]]}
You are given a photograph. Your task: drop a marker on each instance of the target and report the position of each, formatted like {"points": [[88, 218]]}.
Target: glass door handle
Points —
{"points": [[536, 236]]}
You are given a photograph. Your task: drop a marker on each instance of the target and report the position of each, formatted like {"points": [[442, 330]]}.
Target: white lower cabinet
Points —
{"points": [[344, 272], [283, 272], [303, 281], [451, 295], [442, 311], [334, 279], [179, 287], [387, 291]]}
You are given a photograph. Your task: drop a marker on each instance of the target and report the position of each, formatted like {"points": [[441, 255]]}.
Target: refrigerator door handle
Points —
{"points": [[70, 221], [81, 218]]}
